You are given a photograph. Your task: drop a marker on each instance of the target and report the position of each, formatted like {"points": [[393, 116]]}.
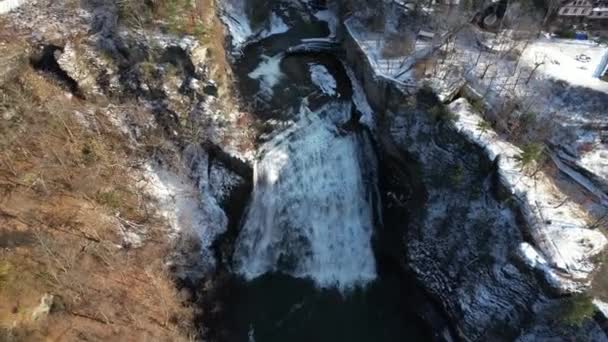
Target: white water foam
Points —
{"points": [[268, 73], [311, 214]]}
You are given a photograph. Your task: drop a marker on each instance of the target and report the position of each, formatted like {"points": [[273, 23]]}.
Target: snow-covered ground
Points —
{"points": [[554, 78], [557, 224], [573, 61], [396, 68]]}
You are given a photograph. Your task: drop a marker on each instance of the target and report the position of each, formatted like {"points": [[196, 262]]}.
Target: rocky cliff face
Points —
{"points": [[465, 231], [464, 237], [463, 240], [157, 88]]}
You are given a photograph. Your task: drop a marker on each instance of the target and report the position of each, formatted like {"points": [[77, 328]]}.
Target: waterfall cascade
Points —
{"points": [[311, 214]]}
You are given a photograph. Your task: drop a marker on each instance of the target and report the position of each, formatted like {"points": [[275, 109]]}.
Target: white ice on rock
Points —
{"points": [[557, 224], [276, 25], [237, 22], [186, 209], [360, 99], [321, 77], [268, 73], [9, 5], [310, 214]]}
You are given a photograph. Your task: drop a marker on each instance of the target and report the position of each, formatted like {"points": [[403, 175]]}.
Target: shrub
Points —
{"points": [[456, 175], [441, 114], [577, 309], [477, 105], [181, 16], [483, 126], [567, 34], [112, 199], [527, 119], [530, 154]]}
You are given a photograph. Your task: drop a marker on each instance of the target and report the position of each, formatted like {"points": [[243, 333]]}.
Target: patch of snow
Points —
{"points": [[561, 58], [601, 306], [323, 79], [330, 18], [596, 161], [131, 239], [268, 73]]}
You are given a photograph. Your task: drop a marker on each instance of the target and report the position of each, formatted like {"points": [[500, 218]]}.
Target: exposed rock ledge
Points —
{"points": [[557, 225]]}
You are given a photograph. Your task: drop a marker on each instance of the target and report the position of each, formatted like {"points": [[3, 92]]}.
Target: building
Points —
{"points": [[584, 10], [576, 9], [590, 15]]}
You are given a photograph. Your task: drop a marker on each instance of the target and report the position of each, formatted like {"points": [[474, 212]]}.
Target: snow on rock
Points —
{"points": [[601, 306], [235, 18], [323, 79], [9, 5], [330, 18], [563, 162], [398, 69], [360, 99], [276, 25], [557, 225], [186, 209]]}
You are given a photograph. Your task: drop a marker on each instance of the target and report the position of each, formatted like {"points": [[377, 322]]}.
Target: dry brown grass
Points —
{"points": [[63, 182]]}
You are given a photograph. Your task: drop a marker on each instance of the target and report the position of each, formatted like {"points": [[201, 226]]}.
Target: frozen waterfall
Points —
{"points": [[311, 210]]}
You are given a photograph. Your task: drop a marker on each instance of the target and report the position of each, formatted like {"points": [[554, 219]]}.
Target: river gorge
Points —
{"points": [[318, 256]]}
